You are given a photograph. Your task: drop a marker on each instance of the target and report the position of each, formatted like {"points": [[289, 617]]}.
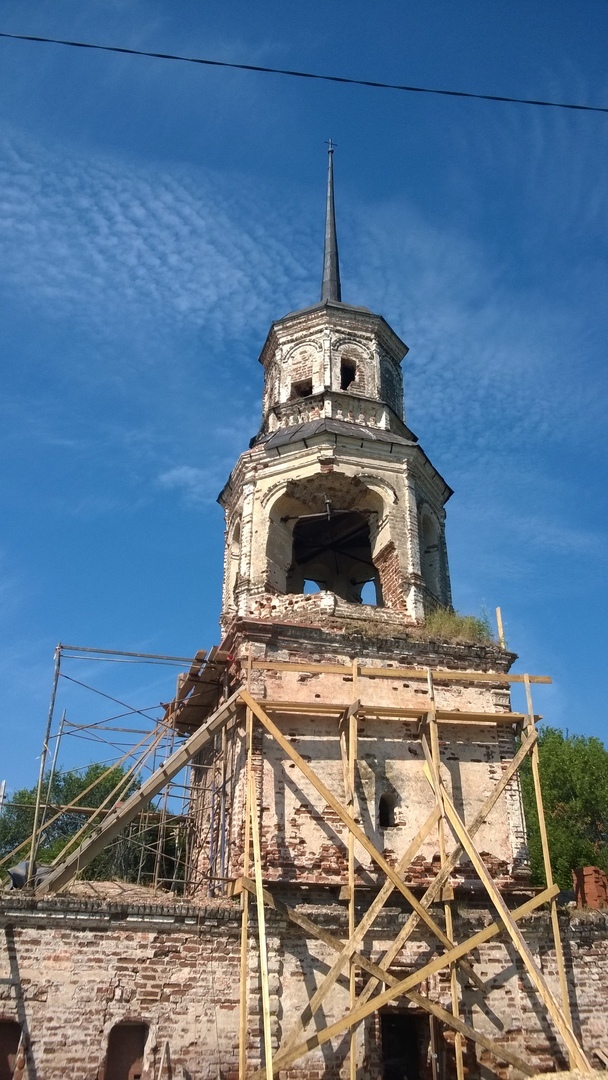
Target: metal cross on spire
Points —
{"points": [[330, 286]]}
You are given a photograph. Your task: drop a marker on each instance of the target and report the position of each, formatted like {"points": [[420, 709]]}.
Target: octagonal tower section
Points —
{"points": [[335, 508]]}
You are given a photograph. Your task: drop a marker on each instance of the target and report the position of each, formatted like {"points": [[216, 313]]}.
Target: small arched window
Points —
{"points": [[126, 1045], [348, 372], [386, 812], [232, 568]]}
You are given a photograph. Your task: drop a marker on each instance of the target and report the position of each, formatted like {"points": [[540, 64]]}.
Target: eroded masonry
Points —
{"points": [[357, 900]]}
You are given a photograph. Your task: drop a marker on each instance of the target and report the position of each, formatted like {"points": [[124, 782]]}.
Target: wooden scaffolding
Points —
{"points": [[192, 710]]}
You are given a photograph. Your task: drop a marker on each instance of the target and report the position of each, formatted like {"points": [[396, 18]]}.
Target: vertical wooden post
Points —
{"points": [[434, 1054], [352, 759], [501, 633], [245, 901], [559, 952], [447, 906], [263, 952]]}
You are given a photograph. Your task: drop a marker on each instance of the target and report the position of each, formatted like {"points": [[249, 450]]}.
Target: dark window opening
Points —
{"points": [[10, 1037], [386, 812], [348, 373], [301, 389], [125, 1059], [405, 1046], [333, 551]]}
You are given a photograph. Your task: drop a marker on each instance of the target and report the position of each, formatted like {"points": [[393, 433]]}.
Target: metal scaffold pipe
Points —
{"points": [[31, 877]]}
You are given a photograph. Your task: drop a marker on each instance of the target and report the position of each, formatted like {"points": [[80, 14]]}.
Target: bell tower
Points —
{"points": [[335, 507], [353, 783]]}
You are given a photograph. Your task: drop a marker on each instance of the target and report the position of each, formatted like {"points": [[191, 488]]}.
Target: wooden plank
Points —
{"points": [[441, 675], [559, 952], [364, 840], [352, 760], [435, 887], [122, 815], [319, 708], [447, 907], [263, 951], [433, 1048], [289, 665], [244, 982], [503, 1053], [515, 934], [397, 988]]}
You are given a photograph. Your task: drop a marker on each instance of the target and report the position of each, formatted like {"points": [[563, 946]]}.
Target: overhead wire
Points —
{"points": [[294, 74], [124, 704]]}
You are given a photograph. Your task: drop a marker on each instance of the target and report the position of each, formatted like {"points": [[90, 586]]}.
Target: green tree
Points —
{"points": [[574, 782], [121, 859]]}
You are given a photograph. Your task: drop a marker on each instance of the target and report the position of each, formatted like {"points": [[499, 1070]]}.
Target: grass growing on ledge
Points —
{"points": [[443, 624]]}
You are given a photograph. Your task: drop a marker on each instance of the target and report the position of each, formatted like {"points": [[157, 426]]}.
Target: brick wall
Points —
{"points": [[81, 966]]}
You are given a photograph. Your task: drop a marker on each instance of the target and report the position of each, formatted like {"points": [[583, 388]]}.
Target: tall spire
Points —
{"points": [[330, 287]]}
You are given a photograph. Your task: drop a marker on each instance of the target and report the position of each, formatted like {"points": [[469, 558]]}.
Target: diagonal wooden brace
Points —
{"points": [[515, 934], [355, 940], [354, 828], [435, 888], [397, 988]]}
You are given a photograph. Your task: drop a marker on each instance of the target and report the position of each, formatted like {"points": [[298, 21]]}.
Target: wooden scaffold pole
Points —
{"points": [[446, 889], [559, 952], [245, 902]]}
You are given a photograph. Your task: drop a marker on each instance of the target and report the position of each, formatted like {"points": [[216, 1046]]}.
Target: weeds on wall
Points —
{"points": [[443, 624]]}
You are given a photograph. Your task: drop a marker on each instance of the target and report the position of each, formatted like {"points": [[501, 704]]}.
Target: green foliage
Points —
{"points": [[16, 821], [574, 782], [443, 624]]}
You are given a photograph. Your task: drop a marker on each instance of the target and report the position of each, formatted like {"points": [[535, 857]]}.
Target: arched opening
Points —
{"points": [[310, 587], [325, 532], [370, 593], [10, 1037], [234, 557], [430, 554], [125, 1057], [386, 811], [333, 550], [348, 372]]}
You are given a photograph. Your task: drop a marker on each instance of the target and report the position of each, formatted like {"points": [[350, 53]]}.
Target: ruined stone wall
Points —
{"points": [[79, 967], [303, 839]]}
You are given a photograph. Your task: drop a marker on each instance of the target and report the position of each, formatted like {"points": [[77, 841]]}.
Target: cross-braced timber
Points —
{"points": [[457, 958]]}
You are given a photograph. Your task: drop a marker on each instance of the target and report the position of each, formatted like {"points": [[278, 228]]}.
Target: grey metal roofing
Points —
{"points": [[300, 432]]}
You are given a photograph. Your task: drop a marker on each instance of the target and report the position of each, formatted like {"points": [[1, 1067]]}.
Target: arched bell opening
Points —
{"points": [[323, 536], [430, 553], [334, 551], [233, 561]]}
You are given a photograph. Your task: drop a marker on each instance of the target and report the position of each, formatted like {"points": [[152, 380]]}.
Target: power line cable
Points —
{"points": [[308, 74]]}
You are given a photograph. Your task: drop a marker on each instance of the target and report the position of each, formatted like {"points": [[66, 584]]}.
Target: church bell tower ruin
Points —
{"points": [[374, 771], [335, 490], [356, 899]]}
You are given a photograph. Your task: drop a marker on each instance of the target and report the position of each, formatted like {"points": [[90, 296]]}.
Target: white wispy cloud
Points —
{"points": [[102, 240], [199, 486]]}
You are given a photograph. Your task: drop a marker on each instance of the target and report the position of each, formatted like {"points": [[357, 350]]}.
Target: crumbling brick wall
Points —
{"points": [[81, 966]]}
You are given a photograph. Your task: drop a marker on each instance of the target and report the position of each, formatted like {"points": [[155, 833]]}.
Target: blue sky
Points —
{"points": [[156, 217]]}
